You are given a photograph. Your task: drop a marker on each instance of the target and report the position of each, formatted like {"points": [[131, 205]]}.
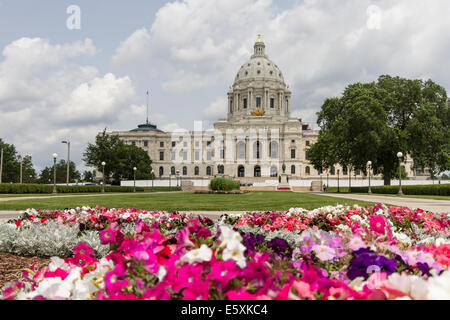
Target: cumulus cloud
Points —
{"points": [[46, 97], [135, 48], [217, 109], [320, 45]]}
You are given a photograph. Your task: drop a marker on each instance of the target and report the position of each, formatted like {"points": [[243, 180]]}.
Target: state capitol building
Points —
{"points": [[257, 143]]}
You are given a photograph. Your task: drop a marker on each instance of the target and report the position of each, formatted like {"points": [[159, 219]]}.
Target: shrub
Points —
{"points": [[48, 189], [222, 184], [431, 190]]}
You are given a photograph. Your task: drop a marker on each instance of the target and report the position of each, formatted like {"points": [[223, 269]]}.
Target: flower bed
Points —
{"points": [[328, 253]]}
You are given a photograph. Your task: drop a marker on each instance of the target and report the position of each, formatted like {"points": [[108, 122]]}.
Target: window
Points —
{"points": [[172, 171], [274, 172], [208, 155], [197, 144], [257, 171], [222, 154], [208, 171], [221, 169], [208, 143], [308, 170], [185, 156], [161, 144], [145, 143], [258, 101], [357, 172], [257, 150], [185, 144], [308, 143], [272, 103], [133, 143], [197, 156], [161, 156], [241, 172], [292, 153], [332, 171], [292, 169], [245, 103], [274, 150], [306, 155], [345, 171], [196, 171], [161, 171], [184, 171], [241, 150]]}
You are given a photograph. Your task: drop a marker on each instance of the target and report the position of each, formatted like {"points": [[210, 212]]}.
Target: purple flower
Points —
{"points": [[366, 261]]}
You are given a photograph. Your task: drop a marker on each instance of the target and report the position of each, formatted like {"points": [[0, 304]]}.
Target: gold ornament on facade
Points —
{"points": [[258, 112]]}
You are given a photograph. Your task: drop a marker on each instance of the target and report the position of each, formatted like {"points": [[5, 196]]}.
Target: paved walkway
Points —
{"points": [[84, 195], [441, 206]]}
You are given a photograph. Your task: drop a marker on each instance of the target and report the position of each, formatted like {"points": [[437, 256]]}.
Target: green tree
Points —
{"points": [[46, 175], [374, 121], [11, 165], [119, 157], [29, 174], [89, 176]]}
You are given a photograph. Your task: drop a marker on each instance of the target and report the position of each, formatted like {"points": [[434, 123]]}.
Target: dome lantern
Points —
{"points": [[260, 48]]}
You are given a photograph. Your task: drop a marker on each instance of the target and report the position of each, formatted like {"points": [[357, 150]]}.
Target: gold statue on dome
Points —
{"points": [[259, 38], [258, 112]]}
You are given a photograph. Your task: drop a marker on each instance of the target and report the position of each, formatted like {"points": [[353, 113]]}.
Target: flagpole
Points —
{"points": [[147, 106]]}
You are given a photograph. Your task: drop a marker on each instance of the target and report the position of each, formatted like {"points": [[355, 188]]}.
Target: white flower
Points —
{"points": [[198, 255], [227, 235], [162, 272], [439, 287], [235, 251], [402, 237]]}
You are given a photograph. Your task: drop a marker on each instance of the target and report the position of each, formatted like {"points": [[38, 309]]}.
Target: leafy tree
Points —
{"points": [[119, 157], [89, 176], [46, 175], [11, 165], [374, 121]]}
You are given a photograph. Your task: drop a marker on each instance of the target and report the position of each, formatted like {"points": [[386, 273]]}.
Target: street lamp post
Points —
{"points": [[21, 169], [321, 183], [400, 156], [68, 161], [1, 165], [369, 165], [134, 187], [54, 173], [103, 184], [327, 181], [338, 181], [178, 177]]}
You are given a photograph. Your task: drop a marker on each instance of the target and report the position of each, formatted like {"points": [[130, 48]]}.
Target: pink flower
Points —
{"points": [[108, 236], [377, 224]]}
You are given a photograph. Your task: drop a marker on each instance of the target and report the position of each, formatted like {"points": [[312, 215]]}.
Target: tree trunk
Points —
{"points": [[387, 177]]}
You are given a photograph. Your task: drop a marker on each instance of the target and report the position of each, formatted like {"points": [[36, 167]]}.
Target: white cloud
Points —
{"points": [[46, 97], [217, 109], [135, 48]]}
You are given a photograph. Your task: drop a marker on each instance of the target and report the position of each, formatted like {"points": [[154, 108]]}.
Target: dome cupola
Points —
{"points": [[259, 83]]}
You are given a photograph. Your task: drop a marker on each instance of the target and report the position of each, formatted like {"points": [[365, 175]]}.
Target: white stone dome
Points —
{"points": [[259, 68]]}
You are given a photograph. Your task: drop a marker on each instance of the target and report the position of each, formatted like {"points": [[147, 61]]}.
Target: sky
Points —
{"points": [[69, 69]]}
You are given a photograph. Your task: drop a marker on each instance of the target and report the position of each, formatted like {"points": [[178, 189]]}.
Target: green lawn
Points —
{"points": [[257, 201]]}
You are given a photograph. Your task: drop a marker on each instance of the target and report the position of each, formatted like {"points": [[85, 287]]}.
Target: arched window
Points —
{"points": [[221, 169], [274, 150], [257, 171], [241, 172], [257, 150], [308, 170], [292, 169], [196, 171], [274, 172], [172, 171], [241, 150], [208, 171], [161, 171], [333, 171], [184, 171]]}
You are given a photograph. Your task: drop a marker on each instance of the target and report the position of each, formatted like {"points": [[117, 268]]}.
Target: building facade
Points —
{"points": [[257, 142]]}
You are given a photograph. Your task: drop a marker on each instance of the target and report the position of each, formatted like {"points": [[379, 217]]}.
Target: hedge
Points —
{"points": [[432, 190], [41, 188], [222, 184]]}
